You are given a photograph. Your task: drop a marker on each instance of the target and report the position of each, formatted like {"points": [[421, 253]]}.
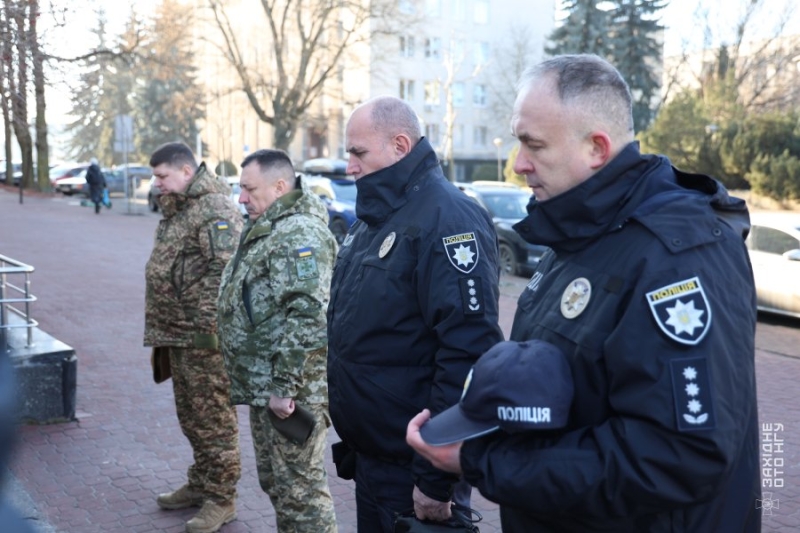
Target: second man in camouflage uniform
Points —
{"points": [[272, 324]]}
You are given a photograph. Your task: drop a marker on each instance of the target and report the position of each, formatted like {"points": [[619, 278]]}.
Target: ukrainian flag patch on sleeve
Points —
{"points": [[221, 225], [306, 263]]}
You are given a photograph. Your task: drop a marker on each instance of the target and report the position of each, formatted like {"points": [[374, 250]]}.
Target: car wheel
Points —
{"points": [[152, 202], [339, 229], [508, 260]]}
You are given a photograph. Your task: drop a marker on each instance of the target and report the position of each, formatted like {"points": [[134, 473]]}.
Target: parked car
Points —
{"points": [[339, 195], [329, 168], [17, 173], [506, 205], [774, 248], [77, 184], [329, 180], [64, 171]]}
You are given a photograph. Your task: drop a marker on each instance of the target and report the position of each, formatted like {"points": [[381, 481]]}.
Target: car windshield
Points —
{"points": [[345, 192], [511, 206]]}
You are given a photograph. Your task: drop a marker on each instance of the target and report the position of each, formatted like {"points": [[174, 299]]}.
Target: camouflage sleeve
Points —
{"points": [[218, 236], [301, 270]]}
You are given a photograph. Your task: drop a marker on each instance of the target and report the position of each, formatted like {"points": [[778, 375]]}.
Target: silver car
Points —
{"points": [[774, 247]]}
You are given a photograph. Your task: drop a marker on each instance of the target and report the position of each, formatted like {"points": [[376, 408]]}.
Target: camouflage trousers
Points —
{"points": [[294, 475], [207, 418]]}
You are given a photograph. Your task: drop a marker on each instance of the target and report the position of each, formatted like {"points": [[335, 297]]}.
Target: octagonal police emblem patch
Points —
{"points": [[462, 251], [681, 310]]}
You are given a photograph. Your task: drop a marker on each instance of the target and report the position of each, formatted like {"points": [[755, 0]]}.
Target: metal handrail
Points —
{"points": [[27, 298]]}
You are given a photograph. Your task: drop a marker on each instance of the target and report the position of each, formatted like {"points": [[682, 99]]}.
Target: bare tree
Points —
{"points": [[305, 41], [6, 73], [453, 61], [756, 58], [16, 12], [510, 61], [42, 147]]}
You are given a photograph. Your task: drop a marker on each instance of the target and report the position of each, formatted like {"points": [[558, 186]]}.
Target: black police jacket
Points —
{"points": [[414, 302], [648, 291]]}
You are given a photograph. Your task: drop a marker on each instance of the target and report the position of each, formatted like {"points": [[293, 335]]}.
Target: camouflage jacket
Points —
{"points": [[194, 240], [273, 301]]}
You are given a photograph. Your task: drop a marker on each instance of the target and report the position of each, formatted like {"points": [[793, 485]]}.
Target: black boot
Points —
{"points": [[97, 208]]}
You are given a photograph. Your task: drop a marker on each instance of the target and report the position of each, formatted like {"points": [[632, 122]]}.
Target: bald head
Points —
{"points": [[380, 132]]}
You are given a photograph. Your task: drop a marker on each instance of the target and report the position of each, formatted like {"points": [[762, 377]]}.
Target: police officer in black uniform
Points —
{"points": [[414, 302], [648, 292]]}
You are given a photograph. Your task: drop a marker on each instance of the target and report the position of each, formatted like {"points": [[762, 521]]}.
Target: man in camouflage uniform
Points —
{"points": [[272, 327], [195, 239]]}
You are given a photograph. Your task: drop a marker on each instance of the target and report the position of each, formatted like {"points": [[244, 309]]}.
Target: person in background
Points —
{"points": [[196, 237], [414, 302], [272, 328], [648, 293], [97, 184]]}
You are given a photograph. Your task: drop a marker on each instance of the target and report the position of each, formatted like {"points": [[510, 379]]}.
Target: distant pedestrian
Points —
{"points": [[97, 184], [273, 335], [195, 239]]}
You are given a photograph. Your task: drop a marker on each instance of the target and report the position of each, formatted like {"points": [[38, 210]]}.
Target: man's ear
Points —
{"points": [[600, 151], [402, 145], [188, 172]]}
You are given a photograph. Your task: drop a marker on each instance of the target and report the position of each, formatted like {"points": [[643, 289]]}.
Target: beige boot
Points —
{"points": [[180, 499], [211, 517]]}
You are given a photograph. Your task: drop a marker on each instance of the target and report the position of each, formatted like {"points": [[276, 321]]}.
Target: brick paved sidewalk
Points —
{"points": [[103, 472]]}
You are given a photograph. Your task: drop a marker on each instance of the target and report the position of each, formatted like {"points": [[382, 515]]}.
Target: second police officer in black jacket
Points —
{"points": [[649, 294], [414, 302]]}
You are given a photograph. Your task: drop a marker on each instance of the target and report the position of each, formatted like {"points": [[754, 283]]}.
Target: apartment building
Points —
{"points": [[444, 62]]}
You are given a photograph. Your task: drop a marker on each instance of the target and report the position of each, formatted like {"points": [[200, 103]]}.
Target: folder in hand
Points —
{"points": [[297, 427]]}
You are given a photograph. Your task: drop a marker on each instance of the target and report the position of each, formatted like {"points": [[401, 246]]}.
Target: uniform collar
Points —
{"points": [[578, 216], [383, 192]]}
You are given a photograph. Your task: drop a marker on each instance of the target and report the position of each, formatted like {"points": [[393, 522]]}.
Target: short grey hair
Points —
{"points": [[590, 84], [391, 116]]}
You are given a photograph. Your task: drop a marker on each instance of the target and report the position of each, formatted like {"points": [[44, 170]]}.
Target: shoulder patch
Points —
{"points": [[681, 310], [221, 225], [462, 251], [691, 388], [305, 263]]}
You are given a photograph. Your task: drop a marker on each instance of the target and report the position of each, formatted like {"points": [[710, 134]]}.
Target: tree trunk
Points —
{"points": [[42, 149], [19, 98], [6, 74]]}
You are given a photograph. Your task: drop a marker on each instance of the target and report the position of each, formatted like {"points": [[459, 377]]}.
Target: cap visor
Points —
{"points": [[451, 426]]}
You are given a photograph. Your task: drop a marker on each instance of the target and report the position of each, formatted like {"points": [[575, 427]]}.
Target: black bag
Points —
{"points": [[344, 457], [461, 521]]}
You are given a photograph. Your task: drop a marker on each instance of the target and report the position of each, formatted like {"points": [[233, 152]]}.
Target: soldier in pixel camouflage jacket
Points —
{"points": [[195, 239], [272, 305]]}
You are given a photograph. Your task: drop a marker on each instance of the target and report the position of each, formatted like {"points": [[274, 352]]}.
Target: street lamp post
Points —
{"points": [[497, 141]]}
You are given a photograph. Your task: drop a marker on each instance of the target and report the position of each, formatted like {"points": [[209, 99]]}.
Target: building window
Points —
{"points": [[407, 7], [480, 12], [407, 90], [459, 45], [481, 53], [479, 136], [433, 47], [479, 96], [431, 94], [432, 133], [458, 94], [458, 136], [459, 10], [433, 8], [406, 46]]}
